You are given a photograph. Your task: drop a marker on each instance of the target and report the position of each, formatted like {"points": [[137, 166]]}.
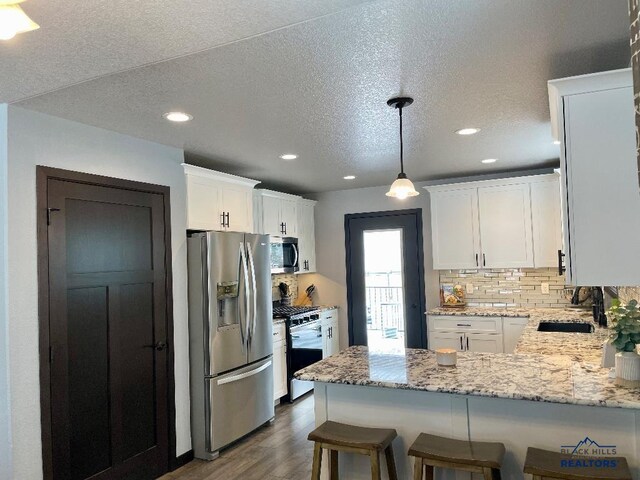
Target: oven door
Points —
{"points": [[305, 349], [284, 255]]}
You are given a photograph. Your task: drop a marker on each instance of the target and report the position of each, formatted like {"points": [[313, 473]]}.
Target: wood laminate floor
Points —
{"points": [[279, 451]]}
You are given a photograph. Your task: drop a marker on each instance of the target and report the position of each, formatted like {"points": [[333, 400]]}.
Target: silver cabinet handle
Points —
{"points": [[467, 343], [461, 347], [477, 263], [463, 324]]}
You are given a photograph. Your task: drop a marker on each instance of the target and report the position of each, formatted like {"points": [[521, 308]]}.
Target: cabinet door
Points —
{"points": [[512, 328], [279, 370], [289, 216], [505, 226], [446, 340], [329, 319], [455, 230], [483, 342], [602, 173], [238, 203], [546, 222], [306, 238], [271, 216], [203, 204], [334, 336]]}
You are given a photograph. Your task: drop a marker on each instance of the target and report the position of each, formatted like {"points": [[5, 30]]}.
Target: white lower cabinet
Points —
{"points": [[279, 362], [465, 333], [330, 336], [512, 328]]}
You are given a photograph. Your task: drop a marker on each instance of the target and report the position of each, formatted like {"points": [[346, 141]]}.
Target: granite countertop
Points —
{"points": [[535, 377], [580, 347], [555, 367]]}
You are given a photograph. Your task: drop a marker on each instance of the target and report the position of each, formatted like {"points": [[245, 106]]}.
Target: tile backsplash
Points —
{"points": [[511, 287], [625, 294], [289, 279]]}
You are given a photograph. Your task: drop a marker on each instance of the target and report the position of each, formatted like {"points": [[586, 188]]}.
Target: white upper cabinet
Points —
{"points": [[218, 201], [306, 236], [505, 226], [278, 212], [492, 223], [593, 117], [455, 229], [546, 221]]}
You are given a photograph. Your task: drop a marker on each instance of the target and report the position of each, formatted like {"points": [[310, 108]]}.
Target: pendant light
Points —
{"points": [[402, 187], [13, 20]]}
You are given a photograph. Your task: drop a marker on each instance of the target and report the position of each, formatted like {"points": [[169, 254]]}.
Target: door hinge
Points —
{"points": [[49, 211]]}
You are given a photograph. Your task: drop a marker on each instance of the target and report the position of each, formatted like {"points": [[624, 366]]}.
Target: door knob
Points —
{"points": [[158, 346]]}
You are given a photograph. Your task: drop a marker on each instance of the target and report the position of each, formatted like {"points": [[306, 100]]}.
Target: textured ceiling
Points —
{"points": [[319, 88], [83, 39]]}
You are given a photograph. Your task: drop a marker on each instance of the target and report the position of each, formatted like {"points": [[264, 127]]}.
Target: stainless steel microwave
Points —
{"points": [[284, 255]]}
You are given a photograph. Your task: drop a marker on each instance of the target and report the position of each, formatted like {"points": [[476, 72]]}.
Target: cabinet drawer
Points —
{"points": [[279, 333], [454, 323]]}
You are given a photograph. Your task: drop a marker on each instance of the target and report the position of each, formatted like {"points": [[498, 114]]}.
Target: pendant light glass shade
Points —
{"points": [[13, 20], [402, 188]]}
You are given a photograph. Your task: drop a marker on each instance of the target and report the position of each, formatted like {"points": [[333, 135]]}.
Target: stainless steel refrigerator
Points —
{"points": [[230, 336]]}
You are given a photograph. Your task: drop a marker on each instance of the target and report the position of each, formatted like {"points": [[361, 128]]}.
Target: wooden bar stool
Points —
{"points": [[339, 437], [543, 464], [478, 457]]}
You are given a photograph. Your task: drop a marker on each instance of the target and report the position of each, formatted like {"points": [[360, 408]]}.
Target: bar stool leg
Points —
{"points": [[375, 465], [317, 461], [334, 465], [417, 468], [391, 463]]}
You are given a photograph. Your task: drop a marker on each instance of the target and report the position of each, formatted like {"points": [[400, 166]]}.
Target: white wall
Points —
{"points": [[5, 418], [37, 139], [330, 279]]}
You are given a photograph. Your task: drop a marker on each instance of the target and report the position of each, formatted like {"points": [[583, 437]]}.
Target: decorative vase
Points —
{"points": [[628, 366]]}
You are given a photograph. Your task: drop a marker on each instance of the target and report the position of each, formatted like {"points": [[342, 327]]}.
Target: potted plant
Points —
{"points": [[625, 335]]}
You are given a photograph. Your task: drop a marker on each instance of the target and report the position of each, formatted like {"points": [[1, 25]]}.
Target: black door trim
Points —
{"points": [[43, 175], [417, 214]]}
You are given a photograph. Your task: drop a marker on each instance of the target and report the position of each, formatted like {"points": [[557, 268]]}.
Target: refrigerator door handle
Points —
{"points": [[254, 296], [250, 373], [244, 331]]}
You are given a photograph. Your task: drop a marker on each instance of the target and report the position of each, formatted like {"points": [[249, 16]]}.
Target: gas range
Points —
{"points": [[297, 315]]}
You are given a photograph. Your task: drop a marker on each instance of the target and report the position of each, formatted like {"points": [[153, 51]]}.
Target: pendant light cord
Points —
{"points": [[401, 145]]}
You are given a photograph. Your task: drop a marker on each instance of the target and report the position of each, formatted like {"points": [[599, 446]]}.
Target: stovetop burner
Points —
{"points": [[296, 315]]}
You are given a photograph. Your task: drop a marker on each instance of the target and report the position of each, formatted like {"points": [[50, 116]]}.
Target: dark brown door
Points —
{"points": [[107, 332]]}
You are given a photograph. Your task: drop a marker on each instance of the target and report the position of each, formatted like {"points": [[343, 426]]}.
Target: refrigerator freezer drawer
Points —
{"points": [[240, 401]]}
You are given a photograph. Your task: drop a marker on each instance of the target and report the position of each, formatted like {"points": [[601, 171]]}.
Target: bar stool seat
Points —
{"points": [[340, 437], [433, 451], [547, 464]]}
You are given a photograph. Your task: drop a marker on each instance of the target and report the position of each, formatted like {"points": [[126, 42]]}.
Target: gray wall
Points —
{"points": [[5, 418], [37, 139], [330, 278]]}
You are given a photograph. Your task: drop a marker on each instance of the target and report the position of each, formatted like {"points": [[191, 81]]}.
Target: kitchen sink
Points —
{"points": [[565, 327]]}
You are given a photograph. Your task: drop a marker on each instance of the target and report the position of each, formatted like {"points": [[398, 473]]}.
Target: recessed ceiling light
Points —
{"points": [[556, 142], [349, 177], [490, 160], [289, 156], [467, 131], [177, 116]]}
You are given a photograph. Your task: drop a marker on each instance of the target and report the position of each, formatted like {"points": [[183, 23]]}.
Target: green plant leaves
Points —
{"points": [[625, 328]]}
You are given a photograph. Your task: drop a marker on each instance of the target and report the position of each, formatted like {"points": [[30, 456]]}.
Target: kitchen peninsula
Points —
{"points": [[551, 393]]}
